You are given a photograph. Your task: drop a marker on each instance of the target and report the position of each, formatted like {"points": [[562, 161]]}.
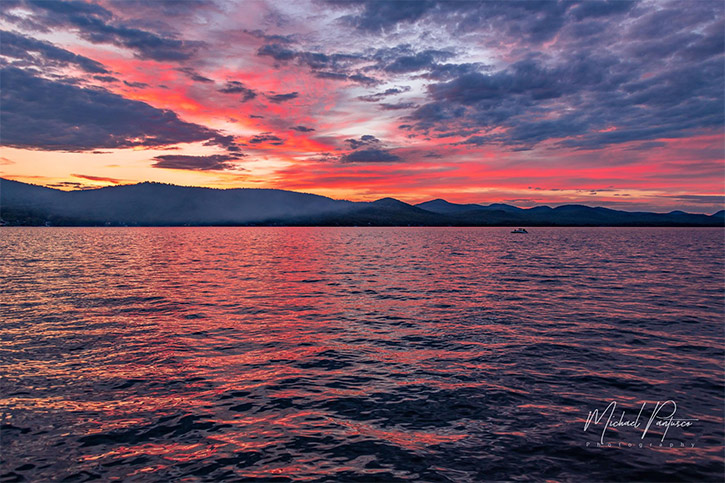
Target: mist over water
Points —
{"points": [[436, 354]]}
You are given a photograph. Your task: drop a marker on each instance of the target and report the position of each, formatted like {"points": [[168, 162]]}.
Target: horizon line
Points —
{"points": [[551, 205]]}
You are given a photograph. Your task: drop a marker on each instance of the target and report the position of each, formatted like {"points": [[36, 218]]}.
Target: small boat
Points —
{"points": [[519, 230]]}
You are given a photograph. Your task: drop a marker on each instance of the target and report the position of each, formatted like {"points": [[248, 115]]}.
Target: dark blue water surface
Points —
{"points": [[434, 354]]}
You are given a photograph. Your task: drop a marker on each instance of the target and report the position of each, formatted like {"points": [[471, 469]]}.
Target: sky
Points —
{"points": [[605, 103]]}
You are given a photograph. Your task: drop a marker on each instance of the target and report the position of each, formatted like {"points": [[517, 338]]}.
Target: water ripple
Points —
{"points": [[358, 354]]}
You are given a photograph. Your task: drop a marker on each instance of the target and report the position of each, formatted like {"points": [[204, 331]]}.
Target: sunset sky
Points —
{"points": [[617, 104]]}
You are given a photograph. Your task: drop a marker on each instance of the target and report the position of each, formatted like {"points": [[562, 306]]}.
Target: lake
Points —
{"points": [[357, 354]]}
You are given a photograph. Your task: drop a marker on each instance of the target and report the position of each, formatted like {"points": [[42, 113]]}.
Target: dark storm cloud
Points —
{"points": [[416, 62], [236, 87], [314, 60], [437, 114], [370, 155], [380, 16], [277, 52], [614, 76], [335, 66], [403, 58], [214, 162], [451, 71], [42, 114], [601, 8], [97, 25], [589, 98], [24, 22], [582, 75], [526, 77], [20, 47], [277, 98], [285, 39], [357, 65], [302, 128], [532, 21]]}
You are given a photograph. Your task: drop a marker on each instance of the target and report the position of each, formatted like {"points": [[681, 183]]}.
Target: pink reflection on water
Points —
{"points": [[294, 344]]}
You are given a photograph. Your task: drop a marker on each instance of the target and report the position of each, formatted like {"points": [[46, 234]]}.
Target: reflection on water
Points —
{"points": [[358, 353]]}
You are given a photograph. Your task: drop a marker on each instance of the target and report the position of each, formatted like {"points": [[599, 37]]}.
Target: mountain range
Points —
{"points": [[156, 204]]}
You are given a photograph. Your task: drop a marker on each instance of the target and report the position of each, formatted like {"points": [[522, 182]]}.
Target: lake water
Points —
{"points": [[346, 354]]}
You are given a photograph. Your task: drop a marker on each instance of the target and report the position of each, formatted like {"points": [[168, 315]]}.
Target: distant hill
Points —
{"points": [[444, 207], [156, 204]]}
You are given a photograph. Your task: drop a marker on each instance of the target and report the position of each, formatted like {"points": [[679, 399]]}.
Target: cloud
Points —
{"points": [[20, 47], [98, 178], [277, 52], [98, 25], [106, 78], [381, 95], [43, 114], [236, 87], [576, 102], [334, 66], [266, 138], [136, 85], [277, 98], [272, 38], [357, 66], [332, 75], [194, 75], [398, 106], [69, 184], [312, 59], [214, 162], [416, 62], [163, 9], [451, 71], [365, 140], [601, 8], [224, 141], [363, 79], [701, 199], [370, 155], [357, 78], [532, 21], [368, 149], [468, 80], [382, 16]]}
